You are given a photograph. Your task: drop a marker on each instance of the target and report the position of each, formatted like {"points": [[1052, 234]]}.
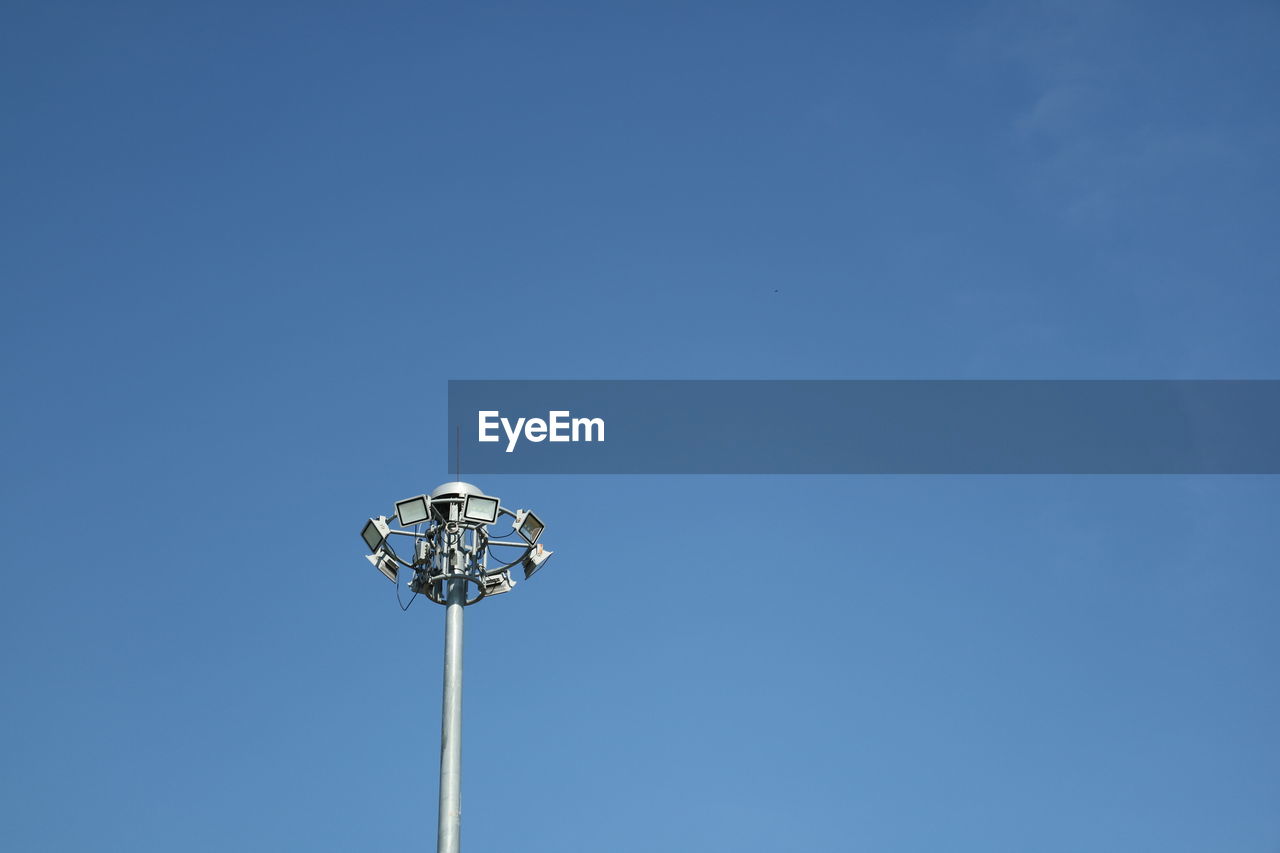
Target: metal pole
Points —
{"points": [[450, 828]]}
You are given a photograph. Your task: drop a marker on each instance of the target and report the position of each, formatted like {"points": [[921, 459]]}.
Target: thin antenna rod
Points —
{"points": [[458, 462]]}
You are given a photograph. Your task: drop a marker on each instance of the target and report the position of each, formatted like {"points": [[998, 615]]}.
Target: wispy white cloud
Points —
{"points": [[1125, 103]]}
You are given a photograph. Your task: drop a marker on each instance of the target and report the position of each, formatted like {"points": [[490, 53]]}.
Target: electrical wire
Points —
{"points": [[513, 562], [403, 606]]}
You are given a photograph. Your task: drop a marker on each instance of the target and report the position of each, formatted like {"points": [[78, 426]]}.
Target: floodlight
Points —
{"points": [[480, 508], [528, 525], [384, 563], [375, 533], [496, 583], [413, 511], [534, 560]]}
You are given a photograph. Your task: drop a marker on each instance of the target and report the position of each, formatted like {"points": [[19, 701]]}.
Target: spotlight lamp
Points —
{"points": [[534, 559], [385, 564], [528, 525], [480, 508], [496, 583], [413, 511], [375, 533]]}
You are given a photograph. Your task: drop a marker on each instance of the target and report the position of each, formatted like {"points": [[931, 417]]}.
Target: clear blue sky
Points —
{"points": [[245, 245]]}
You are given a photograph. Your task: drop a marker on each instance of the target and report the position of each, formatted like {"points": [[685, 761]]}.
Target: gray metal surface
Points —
{"points": [[457, 487], [449, 831]]}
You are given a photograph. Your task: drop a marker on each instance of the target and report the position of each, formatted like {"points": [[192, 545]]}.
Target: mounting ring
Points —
{"points": [[434, 584]]}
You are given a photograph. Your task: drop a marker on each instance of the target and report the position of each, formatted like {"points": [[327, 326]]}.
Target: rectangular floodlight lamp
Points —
{"points": [[534, 560], [496, 583], [375, 533], [530, 528], [384, 564], [481, 508], [413, 511]]}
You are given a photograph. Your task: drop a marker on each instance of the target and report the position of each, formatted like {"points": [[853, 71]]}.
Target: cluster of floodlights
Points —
{"points": [[449, 532]]}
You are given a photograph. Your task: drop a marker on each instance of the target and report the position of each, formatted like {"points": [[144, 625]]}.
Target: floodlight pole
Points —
{"points": [[449, 554], [447, 836]]}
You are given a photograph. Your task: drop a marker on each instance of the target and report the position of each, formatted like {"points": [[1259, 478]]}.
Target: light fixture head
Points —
{"points": [[413, 511], [496, 583], [480, 508], [528, 525], [534, 560], [384, 563], [375, 534]]}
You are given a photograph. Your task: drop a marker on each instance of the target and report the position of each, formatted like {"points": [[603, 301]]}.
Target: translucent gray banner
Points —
{"points": [[866, 427]]}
